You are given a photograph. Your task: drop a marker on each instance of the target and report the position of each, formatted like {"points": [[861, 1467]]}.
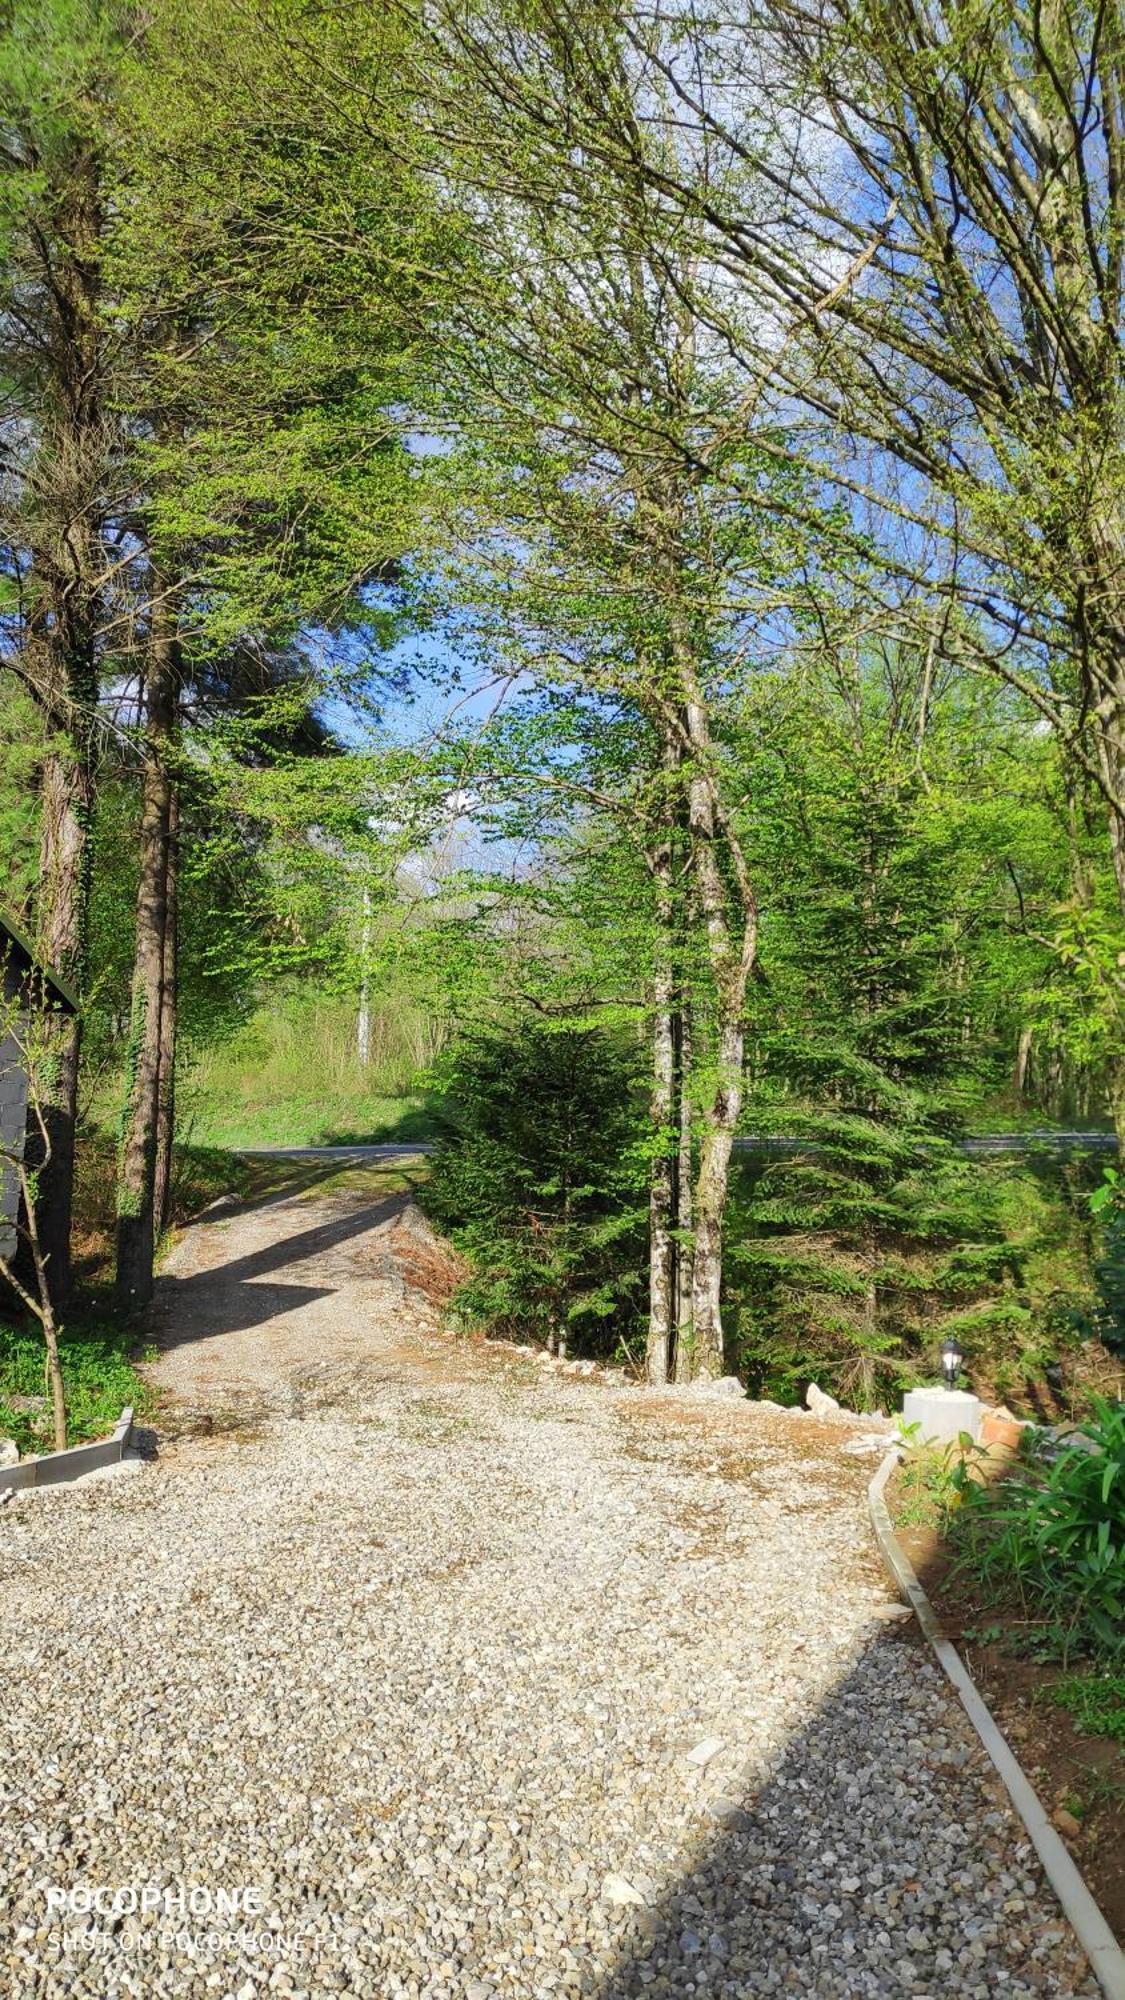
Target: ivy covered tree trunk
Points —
{"points": [[136, 1184], [63, 500], [64, 892], [1111, 750]]}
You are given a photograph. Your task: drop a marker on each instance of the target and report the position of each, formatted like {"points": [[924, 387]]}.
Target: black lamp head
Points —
{"points": [[952, 1356]]}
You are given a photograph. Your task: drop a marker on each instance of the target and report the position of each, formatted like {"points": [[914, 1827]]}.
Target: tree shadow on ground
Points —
{"points": [[874, 1854], [234, 1296]]}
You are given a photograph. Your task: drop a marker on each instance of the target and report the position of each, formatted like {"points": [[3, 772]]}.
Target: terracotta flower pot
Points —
{"points": [[998, 1428]]}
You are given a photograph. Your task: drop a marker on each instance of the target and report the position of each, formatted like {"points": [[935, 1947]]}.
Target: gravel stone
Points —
{"points": [[410, 1640]]}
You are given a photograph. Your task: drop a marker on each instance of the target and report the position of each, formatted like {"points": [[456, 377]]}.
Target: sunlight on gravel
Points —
{"points": [[496, 1686]]}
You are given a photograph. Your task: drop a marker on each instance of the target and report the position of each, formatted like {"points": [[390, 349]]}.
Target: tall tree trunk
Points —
{"points": [[137, 1166], [730, 918], [169, 1021], [685, 1245], [710, 1199], [64, 894], [63, 506], [662, 1186], [1101, 632], [662, 1110]]}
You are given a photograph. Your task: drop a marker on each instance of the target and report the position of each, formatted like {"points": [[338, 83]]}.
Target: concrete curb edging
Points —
{"points": [[1107, 1960], [57, 1468]]}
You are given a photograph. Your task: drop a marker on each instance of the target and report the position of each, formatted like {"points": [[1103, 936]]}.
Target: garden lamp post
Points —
{"points": [[952, 1355]]}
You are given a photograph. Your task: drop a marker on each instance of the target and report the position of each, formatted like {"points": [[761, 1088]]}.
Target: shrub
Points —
{"points": [[1054, 1537], [539, 1181]]}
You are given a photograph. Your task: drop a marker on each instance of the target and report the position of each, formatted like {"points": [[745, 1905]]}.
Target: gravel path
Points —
{"points": [[487, 1680]]}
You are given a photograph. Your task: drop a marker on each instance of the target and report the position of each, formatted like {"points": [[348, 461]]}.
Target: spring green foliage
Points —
{"points": [[98, 1362], [311, 275], [906, 875], [1052, 1537], [291, 1075], [539, 1181]]}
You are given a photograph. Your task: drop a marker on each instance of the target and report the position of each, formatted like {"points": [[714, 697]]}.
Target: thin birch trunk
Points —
{"points": [[662, 1114]]}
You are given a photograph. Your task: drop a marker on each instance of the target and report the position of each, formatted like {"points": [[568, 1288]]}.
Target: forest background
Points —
{"points": [[561, 594]]}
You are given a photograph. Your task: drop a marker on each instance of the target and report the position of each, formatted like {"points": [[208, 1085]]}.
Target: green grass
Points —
{"points": [[1094, 1701], [98, 1361], [291, 1075], [316, 1118], [266, 1179]]}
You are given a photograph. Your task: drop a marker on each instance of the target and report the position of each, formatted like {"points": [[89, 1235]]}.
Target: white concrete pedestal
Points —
{"points": [[942, 1414]]}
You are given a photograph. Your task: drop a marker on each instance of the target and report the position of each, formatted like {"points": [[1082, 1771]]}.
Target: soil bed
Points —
{"points": [[1083, 1774]]}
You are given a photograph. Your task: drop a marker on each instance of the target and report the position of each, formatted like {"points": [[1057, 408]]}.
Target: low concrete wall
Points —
{"points": [[56, 1468]]}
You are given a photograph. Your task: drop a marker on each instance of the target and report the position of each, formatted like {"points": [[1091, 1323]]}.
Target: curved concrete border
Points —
{"points": [[57, 1468], [1107, 1960]]}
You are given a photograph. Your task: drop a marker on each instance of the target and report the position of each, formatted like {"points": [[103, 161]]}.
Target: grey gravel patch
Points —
{"points": [[426, 1670]]}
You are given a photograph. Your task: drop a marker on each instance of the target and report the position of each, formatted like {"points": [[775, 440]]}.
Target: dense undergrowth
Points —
{"points": [[1038, 1551], [1051, 1538], [846, 1263]]}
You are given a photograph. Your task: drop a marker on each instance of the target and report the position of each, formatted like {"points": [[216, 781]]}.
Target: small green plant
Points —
{"points": [[933, 1478], [1053, 1538], [1094, 1700]]}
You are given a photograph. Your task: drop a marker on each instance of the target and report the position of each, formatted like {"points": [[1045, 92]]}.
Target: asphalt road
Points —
{"points": [[982, 1142]]}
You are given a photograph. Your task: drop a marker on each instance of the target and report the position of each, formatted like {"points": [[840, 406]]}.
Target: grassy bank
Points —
{"points": [[309, 1118], [292, 1076]]}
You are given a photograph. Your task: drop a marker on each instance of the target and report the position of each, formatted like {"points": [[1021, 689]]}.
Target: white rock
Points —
{"points": [[705, 1751], [616, 1890], [9, 1451], [866, 1441], [819, 1402]]}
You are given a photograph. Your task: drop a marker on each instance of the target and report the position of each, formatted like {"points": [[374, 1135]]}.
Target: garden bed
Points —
{"points": [[99, 1363], [1074, 1769]]}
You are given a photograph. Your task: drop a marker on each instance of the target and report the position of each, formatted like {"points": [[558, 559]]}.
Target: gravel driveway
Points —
{"points": [[481, 1679]]}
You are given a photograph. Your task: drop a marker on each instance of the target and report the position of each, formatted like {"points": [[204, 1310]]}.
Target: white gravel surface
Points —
{"points": [[487, 1681]]}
